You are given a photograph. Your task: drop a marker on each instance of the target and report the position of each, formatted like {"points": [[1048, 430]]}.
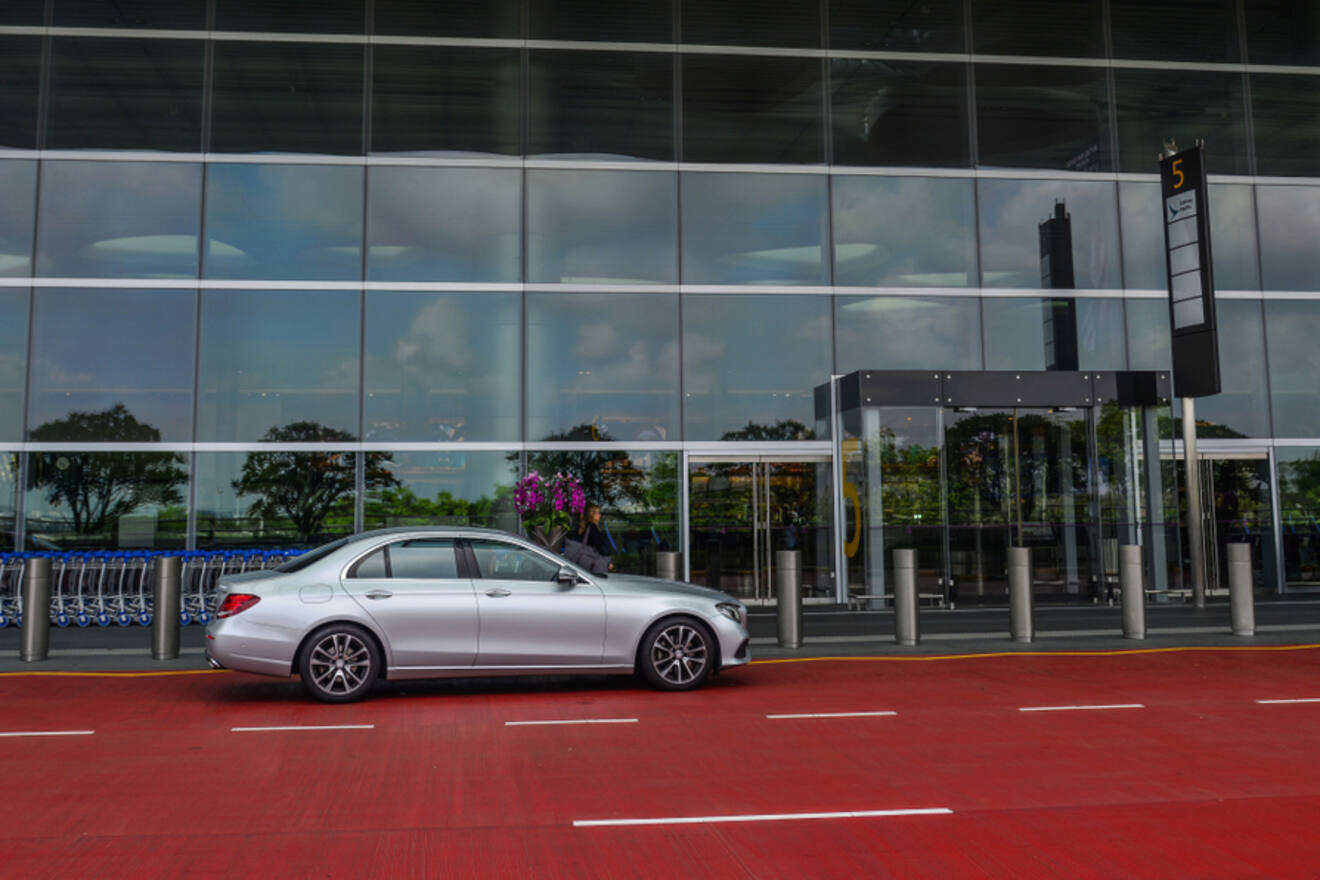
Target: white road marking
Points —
{"points": [[573, 721], [304, 727], [48, 733], [1071, 708], [763, 817], [1306, 700], [833, 715]]}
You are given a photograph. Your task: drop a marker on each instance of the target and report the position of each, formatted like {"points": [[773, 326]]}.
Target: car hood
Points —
{"points": [[635, 583]]}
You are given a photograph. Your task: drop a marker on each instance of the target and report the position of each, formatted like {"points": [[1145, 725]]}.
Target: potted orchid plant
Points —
{"points": [[547, 506]]}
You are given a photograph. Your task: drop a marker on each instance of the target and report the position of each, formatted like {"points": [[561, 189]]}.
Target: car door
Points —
{"points": [[412, 588], [529, 618]]}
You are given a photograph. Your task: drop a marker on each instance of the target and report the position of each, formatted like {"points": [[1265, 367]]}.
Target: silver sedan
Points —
{"points": [[456, 602]]}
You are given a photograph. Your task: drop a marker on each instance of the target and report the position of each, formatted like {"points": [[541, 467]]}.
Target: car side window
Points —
{"points": [[500, 561], [370, 566], [428, 558]]}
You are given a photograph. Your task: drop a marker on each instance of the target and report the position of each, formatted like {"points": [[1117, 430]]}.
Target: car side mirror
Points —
{"points": [[567, 576]]}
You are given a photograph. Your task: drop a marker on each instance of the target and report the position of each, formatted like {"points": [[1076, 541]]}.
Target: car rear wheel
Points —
{"points": [[340, 663], [677, 655]]}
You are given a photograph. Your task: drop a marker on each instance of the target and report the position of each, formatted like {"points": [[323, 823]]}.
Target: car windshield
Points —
{"points": [[301, 561]]}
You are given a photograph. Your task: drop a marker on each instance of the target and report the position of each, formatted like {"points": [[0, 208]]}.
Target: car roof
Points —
{"points": [[431, 530]]}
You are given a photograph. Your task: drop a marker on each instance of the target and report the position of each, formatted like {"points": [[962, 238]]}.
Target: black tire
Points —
{"points": [[677, 654], [339, 663]]}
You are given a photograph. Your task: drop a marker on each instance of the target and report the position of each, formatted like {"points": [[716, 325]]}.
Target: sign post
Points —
{"points": [[1193, 329]]}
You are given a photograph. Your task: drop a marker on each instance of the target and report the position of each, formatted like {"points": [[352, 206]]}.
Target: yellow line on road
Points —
{"points": [[1113, 653], [115, 674]]}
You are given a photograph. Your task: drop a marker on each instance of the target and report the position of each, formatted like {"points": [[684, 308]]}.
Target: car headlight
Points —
{"points": [[731, 611]]}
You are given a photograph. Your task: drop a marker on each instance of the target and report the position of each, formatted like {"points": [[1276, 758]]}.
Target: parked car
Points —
{"points": [[449, 602]]}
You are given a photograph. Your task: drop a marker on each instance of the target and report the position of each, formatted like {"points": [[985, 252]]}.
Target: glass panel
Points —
{"points": [[1291, 217], [750, 364], [1292, 329], [444, 488], [370, 566], [751, 23], [101, 373], [1178, 30], [125, 94], [904, 232], [1156, 105], [1232, 233], [1241, 409], [752, 109], [444, 224], [1054, 334], [119, 219], [1062, 28], [13, 365], [435, 101], [505, 561], [28, 12], [1299, 504], [443, 366], [8, 501], [1027, 225], [1022, 122], [251, 499], [321, 17], [602, 366], [279, 366], [20, 76], [1239, 490], [1148, 334], [155, 14], [754, 228], [601, 21], [899, 113], [453, 18], [18, 181], [431, 558], [289, 222], [602, 227], [1286, 115], [287, 97], [106, 500], [1282, 32], [637, 492], [897, 25], [601, 105], [907, 333]]}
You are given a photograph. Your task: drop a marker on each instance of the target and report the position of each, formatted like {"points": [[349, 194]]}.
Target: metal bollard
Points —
{"points": [[666, 565], [1240, 600], [788, 589], [1019, 594], [1133, 591], [35, 642], [166, 598], [906, 630]]}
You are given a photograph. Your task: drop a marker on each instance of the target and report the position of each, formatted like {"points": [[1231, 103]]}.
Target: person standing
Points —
{"points": [[590, 533]]}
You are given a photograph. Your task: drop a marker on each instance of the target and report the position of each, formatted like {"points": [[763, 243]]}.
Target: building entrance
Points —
{"points": [[1237, 508]]}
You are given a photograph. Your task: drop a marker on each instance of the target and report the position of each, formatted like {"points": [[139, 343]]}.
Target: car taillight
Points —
{"points": [[236, 602]]}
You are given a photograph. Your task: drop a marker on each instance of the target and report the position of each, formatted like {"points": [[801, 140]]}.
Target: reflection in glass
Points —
{"points": [[1232, 234], [1290, 218], [1292, 328], [1282, 32], [898, 113], [752, 109], [1012, 214], [92, 351], [440, 100], [601, 20], [18, 181], [107, 500], [154, 14], [453, 18], [1206, 30], [602, 366], [288, 222], [26, 12], [754, 228], [119, 219], [1148, 334], [8, 500], [442, 366], [897, 25], [904, 232], [1027, 119], [121, 93], [13, 362], [601, 104], [1286, 116], [1022, 333], [602, 227], [276, 358], [1299, 505], [1062, 28], [907, 333], [751, 23], [20, 76], [443, 224], [322, 17], [1155, 105], [287, 97], [750, 364], [444, 488], [1242, 408]]}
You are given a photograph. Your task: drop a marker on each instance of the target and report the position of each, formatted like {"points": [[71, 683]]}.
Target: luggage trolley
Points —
{"points": [[11, 587], [63, 581]]}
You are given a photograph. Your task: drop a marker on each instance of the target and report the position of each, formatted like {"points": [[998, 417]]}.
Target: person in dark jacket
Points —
{"points": [[590, 533]]}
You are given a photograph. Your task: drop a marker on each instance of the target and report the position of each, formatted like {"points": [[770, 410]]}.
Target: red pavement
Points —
{"points": [[1203, 782]]}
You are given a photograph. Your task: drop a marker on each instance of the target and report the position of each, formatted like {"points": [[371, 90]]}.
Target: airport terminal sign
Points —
{"points": [[1191, 279]]}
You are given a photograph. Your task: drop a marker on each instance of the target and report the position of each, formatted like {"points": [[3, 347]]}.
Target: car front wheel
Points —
{"points": [[677, 655], [339, 664]]}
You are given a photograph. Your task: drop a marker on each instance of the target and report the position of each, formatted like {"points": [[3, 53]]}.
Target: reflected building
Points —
{"points": [[455, 242]]}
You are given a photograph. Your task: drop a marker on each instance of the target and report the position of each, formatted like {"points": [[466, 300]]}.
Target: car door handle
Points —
{"points": [[379, 594], [497, 593]]}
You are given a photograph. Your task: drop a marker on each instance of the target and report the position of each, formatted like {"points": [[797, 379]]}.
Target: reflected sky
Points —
{"points": [[1290, 218], [1148, 334], [907, 333], [18, 181], [1292, 329], [1232, 236], [13, 360], [1016, 337], [1011, 214], [1242, 407]]}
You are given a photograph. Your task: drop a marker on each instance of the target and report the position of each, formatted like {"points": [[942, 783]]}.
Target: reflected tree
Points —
{"points": [[782, 430], [609, 478]]}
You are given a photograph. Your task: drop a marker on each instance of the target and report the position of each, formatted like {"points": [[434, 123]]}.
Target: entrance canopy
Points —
{"points": [[1048, 388]]}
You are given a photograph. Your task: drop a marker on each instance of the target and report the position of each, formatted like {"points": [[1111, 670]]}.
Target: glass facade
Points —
{"points": [[405, 251]]}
